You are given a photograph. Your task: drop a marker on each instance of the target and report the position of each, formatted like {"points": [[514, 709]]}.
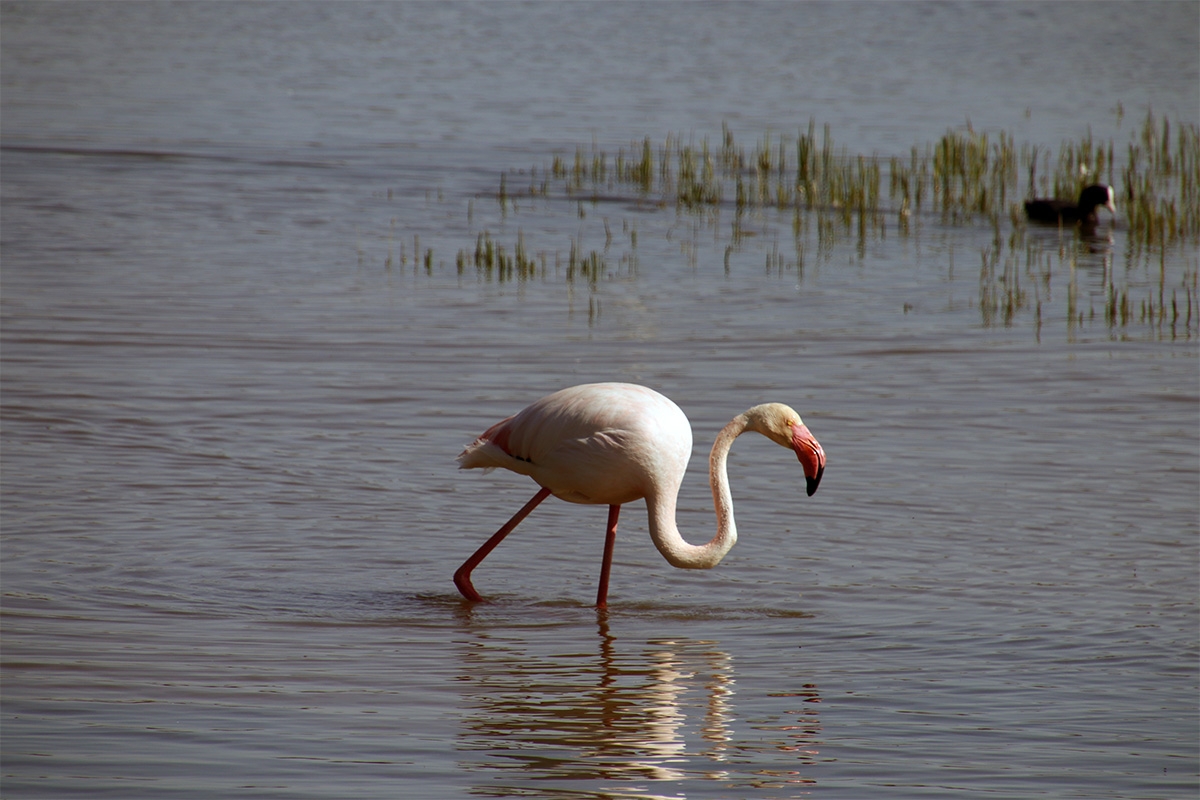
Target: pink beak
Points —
{"points": [[811, 456]]}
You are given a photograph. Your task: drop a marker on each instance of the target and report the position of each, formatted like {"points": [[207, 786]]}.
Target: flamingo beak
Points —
{"points": [[811, 456]]}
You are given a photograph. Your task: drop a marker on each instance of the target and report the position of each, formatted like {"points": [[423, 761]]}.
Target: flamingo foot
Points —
{"points": [[462, 576], [462, 579]]}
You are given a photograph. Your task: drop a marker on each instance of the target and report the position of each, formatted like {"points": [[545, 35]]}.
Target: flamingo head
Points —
{"points": [[783, 426]]}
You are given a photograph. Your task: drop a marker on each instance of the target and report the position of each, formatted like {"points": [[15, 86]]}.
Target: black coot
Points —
{"points": [[1068, 213]]}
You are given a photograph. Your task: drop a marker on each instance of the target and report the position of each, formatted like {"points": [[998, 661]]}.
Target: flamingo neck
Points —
{"points": [[665, 532]]}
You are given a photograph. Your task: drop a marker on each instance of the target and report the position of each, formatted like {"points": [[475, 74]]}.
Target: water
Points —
{"points": [[232, 396]]}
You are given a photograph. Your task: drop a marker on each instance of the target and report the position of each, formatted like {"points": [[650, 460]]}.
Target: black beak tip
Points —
{"points": [[813, 482]]}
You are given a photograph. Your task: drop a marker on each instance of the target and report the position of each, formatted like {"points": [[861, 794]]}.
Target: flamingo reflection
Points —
{"points": [[661, 711]]}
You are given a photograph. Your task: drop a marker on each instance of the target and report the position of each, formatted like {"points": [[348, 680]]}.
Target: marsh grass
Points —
{"points": [[492, 261], [1001, 296], [1161, 182], [964, 178]]}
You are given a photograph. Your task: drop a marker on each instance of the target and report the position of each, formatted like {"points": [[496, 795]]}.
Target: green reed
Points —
{"points": [[962, 177], [965, 177], [1157, 163], [492, 261]]}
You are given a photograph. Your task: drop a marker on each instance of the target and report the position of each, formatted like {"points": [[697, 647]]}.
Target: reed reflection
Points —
{"points": [[654, 710]]}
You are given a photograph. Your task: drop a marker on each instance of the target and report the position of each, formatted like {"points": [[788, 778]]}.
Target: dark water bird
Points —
{"points": [[613, 443], [1065, 212]]}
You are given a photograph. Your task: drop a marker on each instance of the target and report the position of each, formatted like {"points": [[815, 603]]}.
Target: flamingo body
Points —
{"points": [[601, 443], [613, 443]]}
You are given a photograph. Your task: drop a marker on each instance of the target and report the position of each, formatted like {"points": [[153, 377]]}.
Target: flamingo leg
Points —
{"points": [[610, 541], [462, 576]]}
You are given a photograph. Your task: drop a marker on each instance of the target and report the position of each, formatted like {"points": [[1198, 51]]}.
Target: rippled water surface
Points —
{"points": [[244, 338]]}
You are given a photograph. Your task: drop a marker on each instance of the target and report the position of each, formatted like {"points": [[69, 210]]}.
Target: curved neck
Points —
{"points": [[661, 507]]}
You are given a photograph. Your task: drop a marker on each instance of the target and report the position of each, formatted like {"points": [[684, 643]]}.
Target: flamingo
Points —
{"points": [[613, 443]]}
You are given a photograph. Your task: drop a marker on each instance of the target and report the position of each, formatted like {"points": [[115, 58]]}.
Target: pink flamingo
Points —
{"points": [[613, 443]]}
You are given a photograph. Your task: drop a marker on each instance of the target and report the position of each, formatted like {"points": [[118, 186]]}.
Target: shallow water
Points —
{"points": [[232, 396]]}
